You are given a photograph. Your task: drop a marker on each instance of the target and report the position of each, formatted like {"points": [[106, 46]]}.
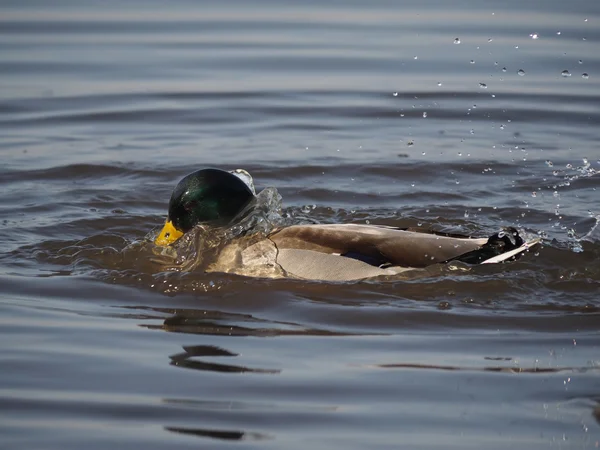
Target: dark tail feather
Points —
{"points": [[504, 241]]}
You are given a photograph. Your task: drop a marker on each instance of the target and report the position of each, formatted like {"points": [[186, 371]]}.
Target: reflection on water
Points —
{"points": [[490, 368], [219, 323], [185, 360], [220, 434], [352, 114]]}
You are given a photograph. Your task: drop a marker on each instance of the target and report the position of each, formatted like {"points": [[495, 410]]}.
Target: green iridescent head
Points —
{"points": [[205, 196]]}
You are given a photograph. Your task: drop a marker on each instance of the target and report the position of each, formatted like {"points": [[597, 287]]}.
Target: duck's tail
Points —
{"points": [[505, 245]]}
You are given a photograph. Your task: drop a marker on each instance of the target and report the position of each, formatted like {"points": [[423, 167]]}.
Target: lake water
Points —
{"points": [[461, 116]]}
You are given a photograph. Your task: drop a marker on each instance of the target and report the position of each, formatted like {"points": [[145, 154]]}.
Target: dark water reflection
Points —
{"points": [[185, 360], [219, 434], [356, 113]]}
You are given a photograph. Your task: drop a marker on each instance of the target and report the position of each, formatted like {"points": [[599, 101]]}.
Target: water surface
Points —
{"points": [[463, 118]]}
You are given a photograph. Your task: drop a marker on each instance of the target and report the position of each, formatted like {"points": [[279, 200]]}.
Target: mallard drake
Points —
{"points": [[335, 252]]}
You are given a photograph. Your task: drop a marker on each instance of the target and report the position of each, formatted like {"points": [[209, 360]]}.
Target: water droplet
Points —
{"points": [[472, 61], [549, 163], [565, 73], [466, 214], [502, 126], [439, 83], [580, 61], [504, 69], [483, 85], [534, 36], [585, 76], [459, 153], [416, 57], [521, 73], [395, 94], [490, 40], [457, 41], [424, 114], [558, 32], [534, 194]]}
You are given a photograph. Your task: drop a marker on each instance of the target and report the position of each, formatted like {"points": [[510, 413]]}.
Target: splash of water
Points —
{"points": [[594, 234]]}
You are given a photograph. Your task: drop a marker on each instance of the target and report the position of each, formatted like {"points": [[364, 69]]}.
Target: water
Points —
{"points": [[355, 113]]}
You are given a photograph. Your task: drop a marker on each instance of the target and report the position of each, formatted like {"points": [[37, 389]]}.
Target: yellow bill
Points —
{"points": [[168, 235]]}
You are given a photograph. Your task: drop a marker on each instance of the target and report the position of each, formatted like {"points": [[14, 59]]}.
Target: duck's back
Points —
{"points": [[376, 245]]}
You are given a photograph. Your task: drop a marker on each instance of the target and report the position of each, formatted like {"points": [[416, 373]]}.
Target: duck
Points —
{"points": [[212, 197]]}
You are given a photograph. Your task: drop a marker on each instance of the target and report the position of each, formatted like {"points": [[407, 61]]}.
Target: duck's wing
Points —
{"points": [[316, 265], [255, 256], [374, 245]]}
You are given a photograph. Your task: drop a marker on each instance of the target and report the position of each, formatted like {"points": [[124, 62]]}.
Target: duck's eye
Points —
{"points": [[190, 205], [167, 235]]}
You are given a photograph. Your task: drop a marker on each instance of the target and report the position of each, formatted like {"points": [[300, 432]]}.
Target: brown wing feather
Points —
{"points": [[398, 247]]}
